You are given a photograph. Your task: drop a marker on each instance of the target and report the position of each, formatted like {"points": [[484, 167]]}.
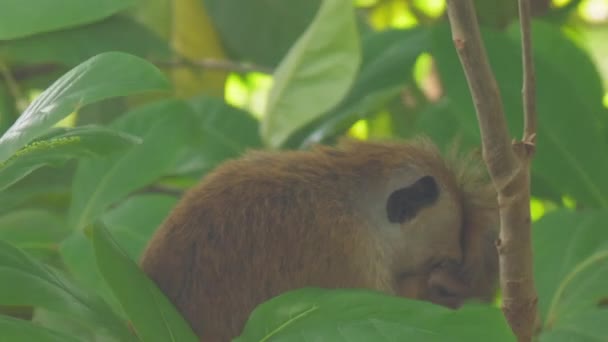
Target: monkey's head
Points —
{"points": [[437, 221]]}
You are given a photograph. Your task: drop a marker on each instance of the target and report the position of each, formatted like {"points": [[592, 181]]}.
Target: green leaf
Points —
{"points": [[106, 75], [439, 123], [78, 142], [388, 62], [25, 281], [16, 330], [339, 121], [19, 18], [153, 317], [225, 132], [590, 326], [316, 73], [79, 259], [36, 231], [166, 129], [553, 47], [131, 229], [271, 27], [69, 47], [571, 270], [153, 15], [361, 315], [47, 186], [564, 164]]}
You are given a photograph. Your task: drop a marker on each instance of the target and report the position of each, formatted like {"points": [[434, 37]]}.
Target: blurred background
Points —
{"points": [[253, 74]]}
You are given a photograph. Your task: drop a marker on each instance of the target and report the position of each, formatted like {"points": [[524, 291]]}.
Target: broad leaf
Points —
{"points": [[25, 281], [570, 121], [271, 27], [19, 18], [14, 329], [316, 73], [166, 128], [589, 326], [37, 187], [225, 132], [36, 231], [551, 46], [79, 142], [571, 270], [387, 66], [107, 75], [71, 46], [153, 317], [131, 229], [360, 315]]}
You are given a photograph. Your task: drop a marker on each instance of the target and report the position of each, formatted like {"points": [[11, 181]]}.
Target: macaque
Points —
{"points": [[387, 216]]}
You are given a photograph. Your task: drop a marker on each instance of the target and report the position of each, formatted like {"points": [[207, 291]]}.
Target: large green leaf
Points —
{"points": [[316, 73], [106, 75], [387, 66], [19, 18], [225, 132], [153, 317], [17, 330], [79, 142], [131, 229], [360, 315], [71, 46], [271, 27], [388, 61], [590, 326], [166, 129], [571, 269], [48, 186], [153, 14], [570, 123], [552, 47], [36, 231], [25, 281]]}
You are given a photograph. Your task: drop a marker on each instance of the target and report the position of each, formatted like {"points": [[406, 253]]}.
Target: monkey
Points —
{"points": [[394, 217]]}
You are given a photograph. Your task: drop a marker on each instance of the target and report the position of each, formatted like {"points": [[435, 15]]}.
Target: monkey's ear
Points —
{"points": [[403, 204]]}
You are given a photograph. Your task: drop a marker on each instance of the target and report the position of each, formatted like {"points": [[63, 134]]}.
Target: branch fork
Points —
{"points": [[508, 162]]}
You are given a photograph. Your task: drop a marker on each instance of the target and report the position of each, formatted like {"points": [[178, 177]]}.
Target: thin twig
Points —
{"points": [[215, 64], [10, 81], [33, 70], [529, 86], [13, 87], [159, 189], [24, 72], [509, 168]]}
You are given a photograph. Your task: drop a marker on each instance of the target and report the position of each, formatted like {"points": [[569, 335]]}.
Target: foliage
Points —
{"points": [[95, 162]]}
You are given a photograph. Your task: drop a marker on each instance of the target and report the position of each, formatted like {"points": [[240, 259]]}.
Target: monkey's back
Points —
{"points": [[254, 229]]}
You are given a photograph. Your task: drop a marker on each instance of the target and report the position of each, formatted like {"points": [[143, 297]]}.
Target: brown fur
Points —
{"points": [[276, 221]]}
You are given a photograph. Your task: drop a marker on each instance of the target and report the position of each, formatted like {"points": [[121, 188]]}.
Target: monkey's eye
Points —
{"points": [[403, 204]]}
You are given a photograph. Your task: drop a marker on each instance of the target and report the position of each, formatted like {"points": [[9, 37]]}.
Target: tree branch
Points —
{"points": [[529, 86], [215, 64], [508, 165]]}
